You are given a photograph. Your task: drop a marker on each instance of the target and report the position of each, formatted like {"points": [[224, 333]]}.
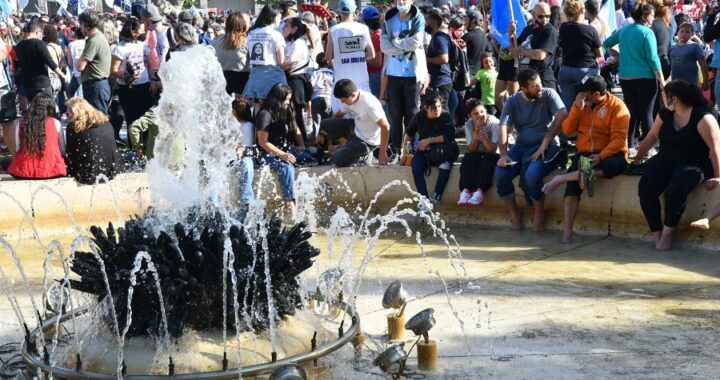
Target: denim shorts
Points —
{"points": [[262, 79]]}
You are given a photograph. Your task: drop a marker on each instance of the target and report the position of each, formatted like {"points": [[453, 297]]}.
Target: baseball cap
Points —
{"points": [[370, 13], [152, 12], [592, 83], [346, 6]]}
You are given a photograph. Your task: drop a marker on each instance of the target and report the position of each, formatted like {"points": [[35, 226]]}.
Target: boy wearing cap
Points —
{"points": [[601, 122], [349, 47]]}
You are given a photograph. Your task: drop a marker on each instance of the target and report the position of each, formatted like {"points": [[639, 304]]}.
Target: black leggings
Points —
{"points": [[639, 96], [477, 170], [675, 181]]}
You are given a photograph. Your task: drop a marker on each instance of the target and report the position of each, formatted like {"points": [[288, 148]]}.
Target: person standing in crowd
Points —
{"points": [[406, 69], [322, 81], [592, 11], [91, 149], [94, 63], [371, 18], [660, 26], [365, 130], [33, 60], [438, 56], [42, 142], [476, 44], [537, 114], [231, 51], [689, 155], [710, 34], [245, 149], [130, 65], [156, 38], [482, 131], [50, 37], [580, 45], [685, 56], [434, 127], [185, 36], [349, 47], [75, 49], [537, 44], [601, 122], [267, 54], [485, 80], [640, 71], [297, 61]]}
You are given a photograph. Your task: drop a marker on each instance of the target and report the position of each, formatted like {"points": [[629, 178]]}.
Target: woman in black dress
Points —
{"points": [[689, 155]]}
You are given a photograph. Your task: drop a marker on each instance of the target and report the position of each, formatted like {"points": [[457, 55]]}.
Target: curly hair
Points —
{"points": [[32, 133], [86, 115], [573, 9]]}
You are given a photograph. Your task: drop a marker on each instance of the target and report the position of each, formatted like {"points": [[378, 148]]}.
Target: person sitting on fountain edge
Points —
{"points": [[365, 130], [601, 122], [537, 114]]}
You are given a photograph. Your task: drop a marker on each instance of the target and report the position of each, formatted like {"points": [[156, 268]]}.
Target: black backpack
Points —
{"points": [[459, 67]]}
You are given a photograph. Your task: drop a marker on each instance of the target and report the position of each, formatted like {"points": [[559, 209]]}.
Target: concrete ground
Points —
{"points": [[530, 307]]}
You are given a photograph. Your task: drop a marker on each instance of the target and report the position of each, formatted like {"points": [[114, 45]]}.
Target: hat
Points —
{"points": [[592, 83], [152, 12], [347, 6], [370, 13], [474, 14]]}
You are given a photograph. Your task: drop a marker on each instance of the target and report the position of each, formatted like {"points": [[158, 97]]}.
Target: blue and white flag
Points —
{"points": [[5, 8], [501, 19], [193, 11], [62, 12], [607, 14]]}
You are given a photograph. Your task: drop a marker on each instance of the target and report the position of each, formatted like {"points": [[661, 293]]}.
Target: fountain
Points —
{"points": [[194, 275]]}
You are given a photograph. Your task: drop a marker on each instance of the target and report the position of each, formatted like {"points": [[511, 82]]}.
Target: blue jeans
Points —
{"points": [[569, 78], [717, 89], [245, 178], [532, 180], [97, 93], [420, 164], [285, 171], [375, 83], [73, 87]]}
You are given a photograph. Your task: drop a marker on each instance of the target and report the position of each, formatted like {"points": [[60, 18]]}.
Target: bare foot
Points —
{"points": [[539, 221], [516, 220], [567, 238], [664, 243], [703, 223], [551, 185], [656, 236]]}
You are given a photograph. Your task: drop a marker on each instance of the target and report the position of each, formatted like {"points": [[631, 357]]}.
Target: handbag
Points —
{"points": [[9, 107], [447, 151]]}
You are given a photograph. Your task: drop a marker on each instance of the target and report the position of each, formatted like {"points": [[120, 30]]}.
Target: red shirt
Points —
{"points": [[50, 165], [375, 37]]}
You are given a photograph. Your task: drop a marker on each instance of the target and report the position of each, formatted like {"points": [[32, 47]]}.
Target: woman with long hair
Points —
{"points": [[640, 71], [297, 62], [689, 155], [91, 148], [131, 68], [280, 139], [267, 54], [41, 142], [50, 37], [232, 52]]}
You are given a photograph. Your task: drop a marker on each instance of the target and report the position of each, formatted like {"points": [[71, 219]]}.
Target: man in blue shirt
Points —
{"points": [[438, 56]]}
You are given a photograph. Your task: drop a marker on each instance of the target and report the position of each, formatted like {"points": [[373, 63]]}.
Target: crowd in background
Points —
{"points": [[575, 86]]}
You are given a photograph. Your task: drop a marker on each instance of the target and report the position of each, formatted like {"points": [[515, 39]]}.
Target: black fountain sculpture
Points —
{"points": [[190, 270]]}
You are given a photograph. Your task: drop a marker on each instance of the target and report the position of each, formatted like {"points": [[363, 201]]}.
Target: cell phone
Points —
{"points": [[511, 163]]}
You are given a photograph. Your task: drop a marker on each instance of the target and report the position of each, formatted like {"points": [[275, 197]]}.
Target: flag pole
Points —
{"points": [[513, 38]]}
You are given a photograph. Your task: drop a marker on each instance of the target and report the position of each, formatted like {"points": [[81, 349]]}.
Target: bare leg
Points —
{"points": [[704, 223], [9, 136], [539, 216], [515, 214], [500, 94], [558, 180], [570, 205], [663, 244]]}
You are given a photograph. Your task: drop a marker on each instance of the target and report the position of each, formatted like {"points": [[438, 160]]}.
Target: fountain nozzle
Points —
{"points": [[78, 363], [46, 356], [273, 355], [225, 361], [30, 343], [123, 371], [341, 330], [313, 346], [171, 367]]}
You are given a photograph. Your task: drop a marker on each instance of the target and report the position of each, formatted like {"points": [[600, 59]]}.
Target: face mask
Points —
{"points": [[403, 8]]}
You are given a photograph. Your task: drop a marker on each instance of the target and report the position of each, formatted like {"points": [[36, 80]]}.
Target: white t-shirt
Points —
{"points": [[492, 128], [297, 51], [134, 54], [366, 112], [322, 80], [349, 42], [263, 45], [76, 48], [248, 134]]}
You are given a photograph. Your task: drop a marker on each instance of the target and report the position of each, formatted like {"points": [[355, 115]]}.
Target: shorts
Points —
{"points": [[507, 70], [262, 79], [611, 167]]}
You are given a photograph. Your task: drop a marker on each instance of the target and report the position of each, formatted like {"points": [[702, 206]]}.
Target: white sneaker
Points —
{"points": [[477, 198], [464, 198]]}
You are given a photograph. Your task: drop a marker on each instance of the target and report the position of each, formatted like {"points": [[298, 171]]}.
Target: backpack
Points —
{"points": [[459, 67]]}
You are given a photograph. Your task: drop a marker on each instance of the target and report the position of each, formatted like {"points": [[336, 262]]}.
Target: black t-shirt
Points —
{"points": [[439, 74], [546, 38], [281, 133], [477, 44], [578, 43], [424, 127], [92, 152], [684, 146], [33, 60]]}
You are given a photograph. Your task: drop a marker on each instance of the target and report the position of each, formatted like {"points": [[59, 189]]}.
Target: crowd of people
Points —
{"points": [[401, 84]]}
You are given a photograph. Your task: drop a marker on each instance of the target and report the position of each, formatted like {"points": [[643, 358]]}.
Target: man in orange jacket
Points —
{"points": [[601, 122]]}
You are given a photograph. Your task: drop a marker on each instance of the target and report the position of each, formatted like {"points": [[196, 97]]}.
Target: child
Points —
{"points": [[486, 78], [245, 149], [322, 83], [686, 55]]}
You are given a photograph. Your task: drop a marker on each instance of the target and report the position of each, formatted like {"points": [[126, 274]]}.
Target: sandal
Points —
{"points": [[587, 175]]}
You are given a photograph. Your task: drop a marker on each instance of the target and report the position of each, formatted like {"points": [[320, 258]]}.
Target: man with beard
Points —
{"points": [[601, 122], [537, 114], [537, 44]]}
